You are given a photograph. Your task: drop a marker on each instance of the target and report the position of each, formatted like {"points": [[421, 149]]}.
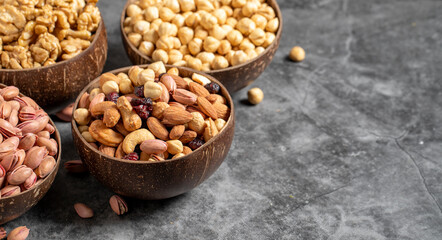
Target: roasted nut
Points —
{"points": [[174, 146], [220, 123], [158, 109], [297, 54], [197, 123], [82, 116], [153, 146], [195, 46], [255, 95], [157, 128], [260, 21], [176, 132], [83, 210], [135, 138], [152, 90], [235, 37], [157, 67], [160, 55], [130, 118], [146, 48], [104, 135], [258, 37], [118, 205], [272, 25], [195, 63], [176, 116], [239, 57], [220, 62], [210, 131]]}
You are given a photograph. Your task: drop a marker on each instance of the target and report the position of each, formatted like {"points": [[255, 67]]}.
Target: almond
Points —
{"points": [[169, 82], [153, 146], [158, 109], [185, 97], [180, 82], [207, 107], [187, 150], [176, 116], [157, 128], [176, 132], [188, 136], [176, 104], [109, 151], [198, 89], [214, 98], [222, 110]]}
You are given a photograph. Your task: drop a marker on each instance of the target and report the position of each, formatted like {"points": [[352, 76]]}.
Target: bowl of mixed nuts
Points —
{"points": [[232, 40], [153, 131], [51, 49], [30, 149]]}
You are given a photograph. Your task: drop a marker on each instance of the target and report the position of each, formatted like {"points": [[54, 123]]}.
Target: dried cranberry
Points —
{"points": [[142, 111], [131, 156], [212, 87], [196, 143], [113, 96], [139, 91], [141, 101]]}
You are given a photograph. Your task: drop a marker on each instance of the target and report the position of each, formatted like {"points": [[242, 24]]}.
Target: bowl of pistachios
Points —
{"points": [[30, 150], [53, 51], [153, 131], [232, 40]]}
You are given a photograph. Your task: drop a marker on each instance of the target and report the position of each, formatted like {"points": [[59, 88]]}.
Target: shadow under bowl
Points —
{"points": [[234, 78], [157, 180], [15, 206], [63, 80]]}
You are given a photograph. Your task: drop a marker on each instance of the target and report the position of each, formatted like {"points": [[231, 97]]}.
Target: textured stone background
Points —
{"points": [[346, 144]]}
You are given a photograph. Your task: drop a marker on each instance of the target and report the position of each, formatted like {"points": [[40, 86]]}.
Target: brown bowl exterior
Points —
{"points": [[157, 180], [15, 206], [234, 78], [63, 80]]}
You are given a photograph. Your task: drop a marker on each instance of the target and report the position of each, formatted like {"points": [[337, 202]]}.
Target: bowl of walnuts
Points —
{"points": [[51, 50], [232, 40]]}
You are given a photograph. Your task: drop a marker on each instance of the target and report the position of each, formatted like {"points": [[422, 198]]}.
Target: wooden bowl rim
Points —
{"points": [[230, 121], [57, 165], [230, 68], [94, 41]]}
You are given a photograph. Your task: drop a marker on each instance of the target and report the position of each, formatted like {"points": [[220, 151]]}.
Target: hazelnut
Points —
{"points": [[187, 5], [220, 62], [176, 42], [179, 20], [235, 37], [267, 12], [141, 26], [173, 5], [224, 47], [220, 15], [201, 33], [175, 56], [193, 20], [165, 43], [228, 10], [205, 67], [255, 96], [208, 21], [239, 57], [181, 63], [134, 39], [297, 54], [151, 36], [151, 13], [166, 14], [185, 34], [218, 32], [249, 9], [246, 26], [231, 21], [270, 37], [206, 57], [260, 21], [238, 3], [204, 5], [146, 48], [211, 44], [160, 55], [133, 10], [184, 50], [259, 50], [227, 28], [195, 46], [167, 29], [272, 25], [246, 44], [155, 24], [258, 37], [110, 86], [251, 53], [195, 63], [226, 2]]}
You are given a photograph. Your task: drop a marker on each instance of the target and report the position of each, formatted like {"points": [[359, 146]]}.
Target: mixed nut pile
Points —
{"points": [[167, 115], [201, 34], [35, 33], [26, 148]]}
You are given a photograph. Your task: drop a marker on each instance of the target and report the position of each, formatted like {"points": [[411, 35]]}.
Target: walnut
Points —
{"points": [[47, 47]]}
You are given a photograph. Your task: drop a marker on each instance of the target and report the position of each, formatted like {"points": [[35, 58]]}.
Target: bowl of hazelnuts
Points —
{"points": [[51, 51], [232, 40]]}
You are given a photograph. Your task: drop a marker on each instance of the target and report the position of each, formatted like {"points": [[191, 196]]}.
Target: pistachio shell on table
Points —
{"points": [[83, 210], [75, 166], [118, 205], [66, 113]]}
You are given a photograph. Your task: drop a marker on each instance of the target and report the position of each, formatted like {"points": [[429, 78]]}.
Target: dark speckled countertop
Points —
{"points": [[345, 145]]}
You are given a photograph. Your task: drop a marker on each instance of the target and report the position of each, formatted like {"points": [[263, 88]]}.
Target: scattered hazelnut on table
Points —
{"points": [[255, 95], [297, 54]]}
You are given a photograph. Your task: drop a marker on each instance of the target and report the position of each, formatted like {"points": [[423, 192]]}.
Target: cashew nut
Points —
{"points": [[130, 118], [105, 135], [136, 137]]}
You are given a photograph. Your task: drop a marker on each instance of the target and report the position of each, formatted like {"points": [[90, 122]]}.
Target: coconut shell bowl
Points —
{"points": [[235, 77], [62, 80], [162, 179], [14, 206]]}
